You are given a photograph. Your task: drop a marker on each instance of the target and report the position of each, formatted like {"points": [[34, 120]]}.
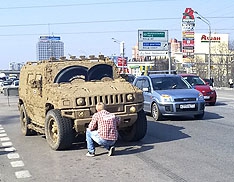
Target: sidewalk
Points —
{"points": [[223, 88]]}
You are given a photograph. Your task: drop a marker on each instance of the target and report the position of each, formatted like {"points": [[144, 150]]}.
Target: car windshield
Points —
{"points": [[194, 80], [5, 83], [166, 83]]}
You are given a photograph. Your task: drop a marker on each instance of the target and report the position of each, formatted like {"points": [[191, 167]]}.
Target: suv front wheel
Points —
{"points": [[58, 130], [137, 131]]}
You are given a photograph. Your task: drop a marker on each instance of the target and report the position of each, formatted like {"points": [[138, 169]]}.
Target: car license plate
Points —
{"points": [[206, 97], [187, 106]]}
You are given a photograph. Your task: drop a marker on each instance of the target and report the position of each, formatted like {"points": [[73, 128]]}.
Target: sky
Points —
{"points": [[87, 26]]}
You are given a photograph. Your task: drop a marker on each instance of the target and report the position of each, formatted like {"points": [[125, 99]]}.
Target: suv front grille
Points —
{"points": [[107, 99]]}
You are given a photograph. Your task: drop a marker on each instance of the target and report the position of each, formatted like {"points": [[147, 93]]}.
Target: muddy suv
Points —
{"points": [[57, 98]]}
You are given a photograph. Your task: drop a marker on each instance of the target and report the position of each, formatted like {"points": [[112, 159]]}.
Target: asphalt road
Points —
{"points": [[179, 149]]}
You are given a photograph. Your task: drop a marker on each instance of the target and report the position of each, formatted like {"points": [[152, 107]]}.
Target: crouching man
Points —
{"points": [[103, 130]]}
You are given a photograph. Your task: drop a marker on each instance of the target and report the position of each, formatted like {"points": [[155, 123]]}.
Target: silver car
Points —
{"points": [[170, 95]]}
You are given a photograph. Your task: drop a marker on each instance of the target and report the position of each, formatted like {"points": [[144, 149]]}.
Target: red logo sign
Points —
{"points": [[188, 14], [122, 62]]}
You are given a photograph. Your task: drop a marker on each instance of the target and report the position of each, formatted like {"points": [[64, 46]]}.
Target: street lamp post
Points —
{"points": [[122, 51], [202, 18]]}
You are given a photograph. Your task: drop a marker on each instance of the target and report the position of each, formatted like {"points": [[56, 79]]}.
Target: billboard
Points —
{"points": [[119, 61], [188, 25], [46, 37]]}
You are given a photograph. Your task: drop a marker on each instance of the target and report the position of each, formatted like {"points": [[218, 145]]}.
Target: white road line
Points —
{"points": [[13, 156], [6, 144], [4, 139], [3, 134], [10, 149], [23, 174], [17, 163]]}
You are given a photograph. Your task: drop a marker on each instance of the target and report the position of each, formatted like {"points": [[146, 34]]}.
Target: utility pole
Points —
{"points": [[122, 51], [202, 18]]}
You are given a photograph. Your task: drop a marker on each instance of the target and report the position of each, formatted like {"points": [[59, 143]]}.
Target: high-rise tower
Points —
{"points": [[49, 46]]}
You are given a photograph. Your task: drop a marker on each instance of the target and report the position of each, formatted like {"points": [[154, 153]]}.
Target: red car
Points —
{"points": [[208, 92]]}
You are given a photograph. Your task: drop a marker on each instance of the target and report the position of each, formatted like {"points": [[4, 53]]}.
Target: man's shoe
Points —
{"points": [[89, 154], [111, 151]]}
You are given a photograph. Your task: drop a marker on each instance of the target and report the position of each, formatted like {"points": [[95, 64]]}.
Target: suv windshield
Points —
{"points": [[95, 73], [166, 83]]}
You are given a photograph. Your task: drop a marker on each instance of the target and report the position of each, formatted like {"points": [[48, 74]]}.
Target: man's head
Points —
{"points": [[100, 106]]}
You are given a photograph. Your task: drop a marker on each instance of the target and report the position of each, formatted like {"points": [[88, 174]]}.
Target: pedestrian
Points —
{"points": [[103, 130], [212, 81], [230, 82]]}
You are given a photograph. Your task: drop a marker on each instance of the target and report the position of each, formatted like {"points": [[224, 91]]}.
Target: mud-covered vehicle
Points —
{"points": [[57, 98]]}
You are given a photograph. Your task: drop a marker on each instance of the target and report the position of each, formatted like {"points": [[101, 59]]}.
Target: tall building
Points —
{"points": [[49, 46]]}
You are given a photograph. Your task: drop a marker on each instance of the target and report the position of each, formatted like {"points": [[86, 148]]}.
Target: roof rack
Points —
{"points": [[162, 72]]}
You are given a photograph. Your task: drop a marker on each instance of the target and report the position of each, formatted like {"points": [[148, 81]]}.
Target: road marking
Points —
{"points": [[6, 144], [23, 174], [4, 139], [9, 149], [3, 134], [13, 156], [17, 163]]}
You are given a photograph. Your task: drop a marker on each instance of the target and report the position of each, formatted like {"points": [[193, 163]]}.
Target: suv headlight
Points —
{"points": [[80, 101], [129, 97], [166, 98]]}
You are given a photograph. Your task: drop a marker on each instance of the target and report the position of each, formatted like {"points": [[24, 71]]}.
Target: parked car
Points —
{"points": [[209, 93], [128, 77], [208, 81], [170, 95], [5, 84]]}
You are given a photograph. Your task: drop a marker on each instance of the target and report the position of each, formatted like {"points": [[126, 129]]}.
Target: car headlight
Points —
{"points": [[200, 96], [166, 98], [80, 101], [130, 97]]}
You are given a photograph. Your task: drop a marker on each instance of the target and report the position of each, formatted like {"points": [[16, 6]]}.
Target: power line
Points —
{"points": [[95, 32], [80, 4], [103, 21]]}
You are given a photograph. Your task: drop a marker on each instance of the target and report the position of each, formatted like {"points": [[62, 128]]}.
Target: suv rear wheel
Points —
{"points": [[58, 130], [24, 121]]}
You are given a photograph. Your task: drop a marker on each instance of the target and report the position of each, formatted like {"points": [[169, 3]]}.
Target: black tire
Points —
{"points": [[58, 130], [24, 121], [212, 103], [137, 131], [155, 112], [199, 116]]}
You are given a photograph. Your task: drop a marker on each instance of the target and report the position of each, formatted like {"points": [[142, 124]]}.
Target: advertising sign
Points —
{"points": [[45, 37], [188, 24], [119, 61]]}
